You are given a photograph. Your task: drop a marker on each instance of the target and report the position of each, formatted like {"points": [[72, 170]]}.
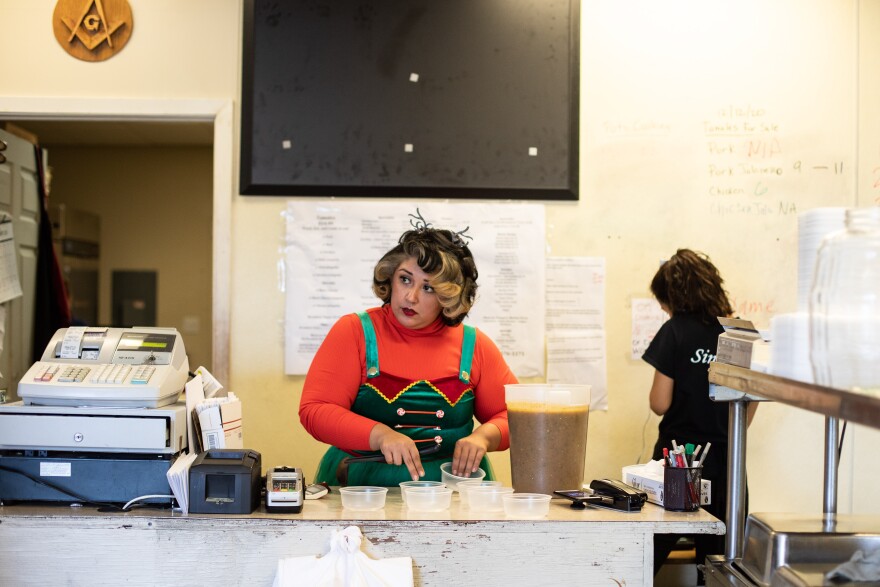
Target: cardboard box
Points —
{"points": [[737, 344], [645, 478], [221, 425]]}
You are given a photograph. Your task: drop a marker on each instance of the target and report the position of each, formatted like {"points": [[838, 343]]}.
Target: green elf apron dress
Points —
{"points": [[430, 412]]}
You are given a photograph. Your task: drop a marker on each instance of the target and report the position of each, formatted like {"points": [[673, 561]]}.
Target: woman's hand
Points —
{"points": [[399, 449], [470, 450]]}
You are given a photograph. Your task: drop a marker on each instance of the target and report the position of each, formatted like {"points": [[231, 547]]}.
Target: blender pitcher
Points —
{"points": [[548, 435]]}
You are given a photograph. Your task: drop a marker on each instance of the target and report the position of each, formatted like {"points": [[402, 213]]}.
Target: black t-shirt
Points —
{"points": [[682, 350]]}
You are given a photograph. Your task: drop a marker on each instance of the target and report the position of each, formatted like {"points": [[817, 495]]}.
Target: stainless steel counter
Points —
{"points": [[788, 549]]}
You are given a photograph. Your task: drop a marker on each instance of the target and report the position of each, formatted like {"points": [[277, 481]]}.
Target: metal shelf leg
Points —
{"points": [[736, 480]]}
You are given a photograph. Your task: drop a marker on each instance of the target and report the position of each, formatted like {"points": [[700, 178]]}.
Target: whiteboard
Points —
{"points": [[711, 125]]}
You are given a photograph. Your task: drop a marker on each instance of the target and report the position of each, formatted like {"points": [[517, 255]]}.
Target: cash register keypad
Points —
{"points": [[142, 374], [46, 372], [73, 374], [110, 374]]}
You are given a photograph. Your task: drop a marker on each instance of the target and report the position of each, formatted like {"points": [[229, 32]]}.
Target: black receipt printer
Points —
{"points": [[225, 481]]}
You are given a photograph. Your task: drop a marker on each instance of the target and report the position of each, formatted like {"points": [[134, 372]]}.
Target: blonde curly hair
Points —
{"points": [[448, 261]]}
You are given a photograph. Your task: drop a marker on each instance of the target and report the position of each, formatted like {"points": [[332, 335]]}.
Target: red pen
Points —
{"points": [[666, 456], [680, 458]]}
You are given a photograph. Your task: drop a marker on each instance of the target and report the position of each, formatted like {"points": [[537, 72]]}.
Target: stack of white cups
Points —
{"points": [[813, 226], [790, 333], [790, 358]]}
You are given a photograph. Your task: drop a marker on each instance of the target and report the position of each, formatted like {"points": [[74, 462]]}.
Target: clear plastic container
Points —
{"points": [[404, 485], [845, 306], [526, 505], [363, 497], [464, 486], [487, 498], [428, 499], [548, 435], [452, 480]]}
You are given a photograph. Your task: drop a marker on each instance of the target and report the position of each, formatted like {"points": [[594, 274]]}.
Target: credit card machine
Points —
{"points": [[285, 490]]}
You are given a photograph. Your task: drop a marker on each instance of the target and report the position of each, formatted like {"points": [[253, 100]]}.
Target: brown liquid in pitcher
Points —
{"points": [[547, 446]]}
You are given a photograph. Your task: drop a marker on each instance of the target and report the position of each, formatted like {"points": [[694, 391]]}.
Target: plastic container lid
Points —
{"points": [[555, 394]]}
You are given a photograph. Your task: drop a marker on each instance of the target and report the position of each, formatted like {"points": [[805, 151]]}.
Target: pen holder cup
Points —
{"points": [[681, 488]]}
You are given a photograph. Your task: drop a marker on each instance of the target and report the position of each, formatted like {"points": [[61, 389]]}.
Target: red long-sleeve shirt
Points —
{"points": [[339, 369]]}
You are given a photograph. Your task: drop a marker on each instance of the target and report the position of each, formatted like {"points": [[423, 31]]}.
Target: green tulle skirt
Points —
{"points": [[380, 474]]}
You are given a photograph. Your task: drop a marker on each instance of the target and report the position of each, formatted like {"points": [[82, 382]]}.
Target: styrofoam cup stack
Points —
{"points": [[813, 226], [790, 358]]}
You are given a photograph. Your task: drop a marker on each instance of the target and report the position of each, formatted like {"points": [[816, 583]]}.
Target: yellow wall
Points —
{"points": [[667, 63], [177, 49]]}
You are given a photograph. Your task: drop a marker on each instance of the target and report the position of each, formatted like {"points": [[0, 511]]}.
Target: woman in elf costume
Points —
{"points": [[408, 377]]}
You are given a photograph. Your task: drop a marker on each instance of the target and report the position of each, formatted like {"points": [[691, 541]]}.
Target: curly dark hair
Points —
{"points": [[445, 258], [688, 283]]}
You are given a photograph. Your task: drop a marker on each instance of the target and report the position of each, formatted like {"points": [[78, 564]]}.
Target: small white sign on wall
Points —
{"points": [[647, 318]]}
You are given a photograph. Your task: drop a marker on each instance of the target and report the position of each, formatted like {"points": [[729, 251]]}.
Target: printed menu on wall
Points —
{"points": [[576, 325], [332, 248]]}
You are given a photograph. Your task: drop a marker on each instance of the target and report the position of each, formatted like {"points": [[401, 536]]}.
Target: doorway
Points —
{"points": [[216, 113]]}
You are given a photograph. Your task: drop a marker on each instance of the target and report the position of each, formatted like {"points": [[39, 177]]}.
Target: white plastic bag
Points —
{"points": [[344, 566]]}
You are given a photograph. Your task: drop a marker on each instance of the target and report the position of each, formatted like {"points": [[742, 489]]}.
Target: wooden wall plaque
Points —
{"points": [[92, 30]]}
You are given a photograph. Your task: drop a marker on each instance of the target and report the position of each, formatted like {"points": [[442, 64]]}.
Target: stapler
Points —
{"points": [[608, 493], [618, 495]]}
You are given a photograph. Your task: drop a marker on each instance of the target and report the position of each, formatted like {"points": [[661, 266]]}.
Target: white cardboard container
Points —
{"points": [[221, 426], [737, 344], [641, 478]]}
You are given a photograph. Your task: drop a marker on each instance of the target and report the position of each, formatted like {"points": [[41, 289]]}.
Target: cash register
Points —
{"points": [[99, 418]]}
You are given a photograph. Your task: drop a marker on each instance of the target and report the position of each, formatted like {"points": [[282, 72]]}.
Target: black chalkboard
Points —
{"points": [[433, 98]]}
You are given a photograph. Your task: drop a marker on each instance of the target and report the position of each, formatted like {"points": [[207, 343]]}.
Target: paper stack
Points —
{"points": [[178, 479]]}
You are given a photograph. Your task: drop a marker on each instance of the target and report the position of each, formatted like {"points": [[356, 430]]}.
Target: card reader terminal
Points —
{"points": [[285, 490]]}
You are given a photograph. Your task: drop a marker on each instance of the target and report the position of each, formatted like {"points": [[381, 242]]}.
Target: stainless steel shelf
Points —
{"points": [[835, 403]]}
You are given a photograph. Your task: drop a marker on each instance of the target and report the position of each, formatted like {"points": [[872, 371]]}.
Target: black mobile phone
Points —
{"points": [[608, 494]]}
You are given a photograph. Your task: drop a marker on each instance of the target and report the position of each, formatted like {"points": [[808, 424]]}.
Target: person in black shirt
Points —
{"points": [[689, 288]]}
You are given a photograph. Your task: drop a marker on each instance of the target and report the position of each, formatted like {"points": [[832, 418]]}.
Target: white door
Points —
{"points": [[19, 198]]}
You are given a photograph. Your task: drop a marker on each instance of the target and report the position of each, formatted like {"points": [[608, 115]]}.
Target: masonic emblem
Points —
{"points": [[92, 30]]}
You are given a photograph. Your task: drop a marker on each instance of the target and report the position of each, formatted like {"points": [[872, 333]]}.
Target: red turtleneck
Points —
{"points": [[339, 369]]}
